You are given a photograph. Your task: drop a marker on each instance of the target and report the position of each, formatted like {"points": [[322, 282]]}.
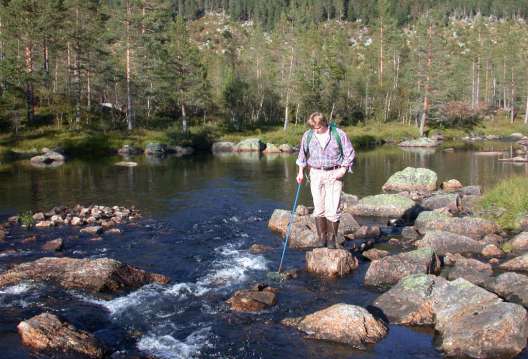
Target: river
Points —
{"points": [[200, 215]]}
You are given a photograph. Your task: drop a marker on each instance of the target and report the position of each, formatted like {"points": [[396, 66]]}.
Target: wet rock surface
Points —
{"points": [[473, 227], [383, 205], [330, 262], [47, 332], [256, 299], [411, 179], [389, 270], [374, 254], [519, 263], [55, 245], [472, 270], [445, 242], [342, 323], [93, 275], [511, 286]]}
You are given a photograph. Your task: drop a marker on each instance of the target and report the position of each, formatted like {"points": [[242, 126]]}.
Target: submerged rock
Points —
{"points": [[410, 301], [409, 234], [475, 323], [330, 262], [446, 242], [93, 230], [411, 179], [286, 148], [389, 270], [383, 205], [342, 323], [258, 298], [126, 164], [155, 149], [47, 332], [55, 245], [256, 248], [272, 148], [93, 275]]}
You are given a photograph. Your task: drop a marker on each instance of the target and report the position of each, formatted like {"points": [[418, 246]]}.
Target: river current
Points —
{"points": [[200, 215]]}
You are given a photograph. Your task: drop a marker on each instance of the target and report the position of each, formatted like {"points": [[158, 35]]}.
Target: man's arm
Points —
{"points": [[301, 159]]}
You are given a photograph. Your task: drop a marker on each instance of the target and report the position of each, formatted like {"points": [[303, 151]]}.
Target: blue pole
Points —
{"points": [[292, 215]]}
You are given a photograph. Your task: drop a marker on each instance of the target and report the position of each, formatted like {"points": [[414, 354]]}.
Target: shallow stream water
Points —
{"points": [[200, 215]]}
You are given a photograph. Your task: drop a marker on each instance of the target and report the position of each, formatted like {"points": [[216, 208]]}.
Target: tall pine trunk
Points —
{"points": [[28, 59], [129, 113], [426, 104]]}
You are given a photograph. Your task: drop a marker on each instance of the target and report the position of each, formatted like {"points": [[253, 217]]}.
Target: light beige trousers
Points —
{"points": [[326, 194]]}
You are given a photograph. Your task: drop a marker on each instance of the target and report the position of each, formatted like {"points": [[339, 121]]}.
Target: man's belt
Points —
{"points": [[326, 168]]}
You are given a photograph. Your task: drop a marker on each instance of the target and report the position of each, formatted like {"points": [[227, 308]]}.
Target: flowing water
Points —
{"points": [[200, 215]]}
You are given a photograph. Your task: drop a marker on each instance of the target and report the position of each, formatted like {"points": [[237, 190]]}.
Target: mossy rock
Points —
{"points": [[383, 205], [412, 179]]}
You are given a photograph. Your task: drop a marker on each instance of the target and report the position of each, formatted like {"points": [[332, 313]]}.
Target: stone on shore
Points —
{"points": [[286, 148], [519, 264], [271, 148], [446, 242], [475, 323], [473, 227], [410, 301], [519, 243], [155, 149], [47, 332], [348, 200], [342, 323], [222, 147], [126, 164], [383, 205], [511, 286], [93, 230], [249, 145], [420, 142], [409, 234], [451, 185], [93, 275], [387, 271], [411, 179], [256, 299], [129, 150], [330, 262]]}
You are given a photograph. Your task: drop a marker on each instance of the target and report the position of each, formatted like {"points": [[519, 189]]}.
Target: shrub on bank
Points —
{"points": [[507, 202]]}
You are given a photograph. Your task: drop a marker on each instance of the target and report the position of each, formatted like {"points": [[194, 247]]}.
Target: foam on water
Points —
{"points": [[168, 347], [16, 289]]}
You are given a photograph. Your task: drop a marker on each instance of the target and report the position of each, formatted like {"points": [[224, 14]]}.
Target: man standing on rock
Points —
{"points": [[328, 153]]}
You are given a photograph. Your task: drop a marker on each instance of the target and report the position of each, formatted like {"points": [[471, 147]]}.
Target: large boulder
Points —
{"points": [[49, 158], [330, 262], [155, 149], [513, 287], [475, 323], [446, 242], [303, 234], [272, 148], [286, 148], [280, 218], [93, 275], [411, 179], [387, 271], [519, 243], [420, 142], [473, 227], [451, 201], [410, 301], [383, 205], [348, 224], [451, 185], [519, 264], [256, 299], [471, 270], [250, 145], [47, 332], [220, 147], [342, 323]]}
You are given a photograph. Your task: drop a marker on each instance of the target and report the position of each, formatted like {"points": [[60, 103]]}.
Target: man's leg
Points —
{"points": [[333, 189], [318, 195]]}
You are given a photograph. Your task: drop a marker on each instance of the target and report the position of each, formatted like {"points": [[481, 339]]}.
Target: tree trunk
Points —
{"points": [[426, 104], [28, 58], [129, 113], [512, 110], [184, 119], [381, 55], [526, 112], [288, 90]]}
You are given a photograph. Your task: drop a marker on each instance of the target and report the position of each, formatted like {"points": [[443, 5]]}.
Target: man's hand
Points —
{"points": [[340, 173], [300, 177]]}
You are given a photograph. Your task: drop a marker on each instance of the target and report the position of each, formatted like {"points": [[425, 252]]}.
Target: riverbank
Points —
{"points": [[91, 143]]}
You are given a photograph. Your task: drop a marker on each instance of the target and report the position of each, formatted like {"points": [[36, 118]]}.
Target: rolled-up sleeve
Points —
{"points": [[301, 158], [348, 151]]}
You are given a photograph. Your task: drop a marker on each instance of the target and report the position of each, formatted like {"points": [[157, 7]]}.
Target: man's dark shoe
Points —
{"points": [[332, 228], [322, 230]]}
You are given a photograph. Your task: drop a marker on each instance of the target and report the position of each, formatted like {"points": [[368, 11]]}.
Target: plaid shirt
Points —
{"points": [[329, 156]]}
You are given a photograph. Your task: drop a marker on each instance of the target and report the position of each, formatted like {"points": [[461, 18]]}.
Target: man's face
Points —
{"points": [[320, 128]]}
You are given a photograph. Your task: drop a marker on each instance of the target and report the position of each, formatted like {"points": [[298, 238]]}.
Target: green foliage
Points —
{"points": [[26, 219], [508, 199]]}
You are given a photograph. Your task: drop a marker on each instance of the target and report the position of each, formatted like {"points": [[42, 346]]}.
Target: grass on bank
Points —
{"points": [[507, 202]]}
